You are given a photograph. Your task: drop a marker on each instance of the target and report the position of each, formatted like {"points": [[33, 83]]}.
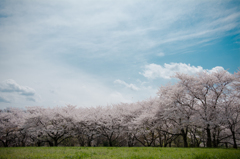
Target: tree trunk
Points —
{"points": [[184, 135], [160, 140], [81, 143], [234, 140], [50, 143], [55, 142], [110, 140], [89, 143], [130, 144], [5, 144], [81, 140], [165, 145], [110, 143], [226, 144], [209, 140], [130, 141], [214, 141], [39, 143]]}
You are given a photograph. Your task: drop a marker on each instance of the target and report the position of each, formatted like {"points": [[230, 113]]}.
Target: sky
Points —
{"points": [[102, 52]]}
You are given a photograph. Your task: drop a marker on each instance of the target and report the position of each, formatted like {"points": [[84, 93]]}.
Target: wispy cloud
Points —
{"points": [[131, 86], [161, 54], [11, 86], [82, 46], [31, 99], [105, 28]]}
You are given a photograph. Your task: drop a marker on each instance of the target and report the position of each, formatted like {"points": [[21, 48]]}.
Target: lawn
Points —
{"points": [[117, 152]]}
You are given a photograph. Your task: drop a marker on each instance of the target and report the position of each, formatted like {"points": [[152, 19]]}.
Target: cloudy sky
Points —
{"points": [[100, 52]]}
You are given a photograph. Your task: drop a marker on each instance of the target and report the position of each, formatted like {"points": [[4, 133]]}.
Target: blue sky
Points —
{"points": [[91, 52]]}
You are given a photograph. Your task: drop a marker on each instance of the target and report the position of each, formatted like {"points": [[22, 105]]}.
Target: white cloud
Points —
{"points": [[11, 86], [166, 71], [215, 69], [161, 54], [131, 86], [11, 92]]}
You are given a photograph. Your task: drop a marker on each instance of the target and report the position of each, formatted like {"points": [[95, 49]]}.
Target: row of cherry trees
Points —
{"points": [[198, 110]]}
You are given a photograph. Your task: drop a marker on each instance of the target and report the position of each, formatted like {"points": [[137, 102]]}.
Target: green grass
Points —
{"points": [[117, 152]]}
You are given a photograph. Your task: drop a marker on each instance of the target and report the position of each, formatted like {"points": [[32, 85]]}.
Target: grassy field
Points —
{"points": [[117, 152]]}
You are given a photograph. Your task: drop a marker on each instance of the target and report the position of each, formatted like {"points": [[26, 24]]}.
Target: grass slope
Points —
{"points": [[117, 152]]}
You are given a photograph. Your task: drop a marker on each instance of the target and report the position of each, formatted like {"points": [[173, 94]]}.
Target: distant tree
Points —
{"points": [[144, 123], [109, 124], [51, 125], [10, 119]]}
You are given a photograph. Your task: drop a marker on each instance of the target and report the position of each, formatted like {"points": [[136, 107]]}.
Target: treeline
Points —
{"points": [[198, 110]]}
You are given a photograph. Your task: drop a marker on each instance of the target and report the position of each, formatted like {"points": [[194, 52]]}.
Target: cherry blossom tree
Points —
{"points": [[128, 112], [109, 124], [231, 113], [10, 120], [52, 125], [207, 89], [86, 125], [144, 123], [178, 108]]}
